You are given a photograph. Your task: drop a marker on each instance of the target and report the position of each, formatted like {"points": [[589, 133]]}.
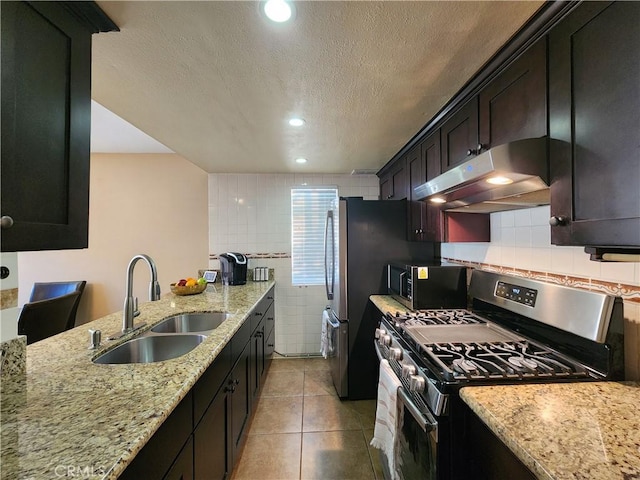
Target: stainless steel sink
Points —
{"points": [[191, 322], [151, 349]]}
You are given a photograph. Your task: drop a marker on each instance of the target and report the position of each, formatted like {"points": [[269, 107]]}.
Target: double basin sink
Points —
{"points": [[172, 337]]}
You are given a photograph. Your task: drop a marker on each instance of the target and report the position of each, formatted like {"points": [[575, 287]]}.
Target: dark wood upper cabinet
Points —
{"points": [[459, 136], [393, 182], [416, 170], [46, 124], [423, 165], [594, 117], [514, 105]]}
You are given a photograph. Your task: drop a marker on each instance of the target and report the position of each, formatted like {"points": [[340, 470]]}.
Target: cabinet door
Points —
{"points": [[182, 468], [269, 348], [240, 400], [432, 215], [393, 184], [212, 450], [460, 135], [594, 111], [514, 105], [46, 93], [417, 209], [256, 362]]}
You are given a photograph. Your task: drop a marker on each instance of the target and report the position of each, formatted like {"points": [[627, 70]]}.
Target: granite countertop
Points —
{"points": [[71, 415], [563, 431], [560, 431], [386, 304]]}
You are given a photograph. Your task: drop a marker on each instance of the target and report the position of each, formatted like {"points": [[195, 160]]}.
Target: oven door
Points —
{"points": [[416, 439]]}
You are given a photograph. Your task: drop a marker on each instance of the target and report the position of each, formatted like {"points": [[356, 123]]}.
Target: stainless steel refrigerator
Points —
{"points": [[361, 238]]}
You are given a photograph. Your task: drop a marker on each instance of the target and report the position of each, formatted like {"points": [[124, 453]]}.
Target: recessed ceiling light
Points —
{"points": [[438, 200], [278, 10], [296, 122], [301, 160]]}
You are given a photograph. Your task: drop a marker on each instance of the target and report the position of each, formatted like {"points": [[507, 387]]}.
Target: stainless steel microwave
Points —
{"points": [[428, 286]]}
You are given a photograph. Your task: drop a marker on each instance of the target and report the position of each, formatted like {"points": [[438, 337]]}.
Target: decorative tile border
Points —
{"points": [[8, 298], [215, 256], [13, 358], [629, 293]]}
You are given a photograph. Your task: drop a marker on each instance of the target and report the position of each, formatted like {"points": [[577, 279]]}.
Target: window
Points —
{"points": [[309, 206]]}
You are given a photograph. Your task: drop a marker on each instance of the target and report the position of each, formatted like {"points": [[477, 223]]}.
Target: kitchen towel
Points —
{"points": [[384, 433], [326, 346]]}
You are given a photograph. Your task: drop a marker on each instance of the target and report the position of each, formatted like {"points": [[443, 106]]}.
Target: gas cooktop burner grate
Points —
{"points": [[502, 360], [437, 317]]}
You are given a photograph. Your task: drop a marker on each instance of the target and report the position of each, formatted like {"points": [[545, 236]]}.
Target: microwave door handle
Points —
{"points": [[401, 291]]}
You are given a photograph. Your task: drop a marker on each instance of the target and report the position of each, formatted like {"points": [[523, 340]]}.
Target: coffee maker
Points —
{"points": [[233, 268]]}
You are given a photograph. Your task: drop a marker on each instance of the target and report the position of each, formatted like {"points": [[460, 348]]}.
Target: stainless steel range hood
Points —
{"points": [[507, 177]]}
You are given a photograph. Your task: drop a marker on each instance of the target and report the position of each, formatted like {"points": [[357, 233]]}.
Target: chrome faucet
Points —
{"points": [[130, 302]]}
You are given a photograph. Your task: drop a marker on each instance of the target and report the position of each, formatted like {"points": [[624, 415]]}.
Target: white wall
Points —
{"points": [[251, 214], [144, 203]]}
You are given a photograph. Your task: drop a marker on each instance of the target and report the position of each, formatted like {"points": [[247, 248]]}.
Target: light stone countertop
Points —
{"points": [[71, 417], [564, 431], [386, 304], [560, 431]]}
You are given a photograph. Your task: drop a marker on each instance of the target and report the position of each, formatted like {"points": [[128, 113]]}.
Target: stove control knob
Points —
{"points": [[380, 332], [395, 353], [408, 370], [416, 383], [385, 340]]}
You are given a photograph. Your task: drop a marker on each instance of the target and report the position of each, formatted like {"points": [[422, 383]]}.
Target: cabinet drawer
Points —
{"points": [[259, 312]]}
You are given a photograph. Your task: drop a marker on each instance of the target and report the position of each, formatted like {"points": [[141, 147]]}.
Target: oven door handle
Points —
{"points": [[426, 421]]}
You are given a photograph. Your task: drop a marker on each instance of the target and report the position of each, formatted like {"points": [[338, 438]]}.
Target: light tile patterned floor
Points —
{"points": [[301, 430]]}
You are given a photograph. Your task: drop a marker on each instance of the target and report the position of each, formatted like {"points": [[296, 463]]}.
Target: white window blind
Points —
{"points": [[309, 207]]}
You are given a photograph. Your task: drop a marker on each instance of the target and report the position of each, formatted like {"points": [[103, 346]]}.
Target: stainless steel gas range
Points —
{"points": [[517, 330]]}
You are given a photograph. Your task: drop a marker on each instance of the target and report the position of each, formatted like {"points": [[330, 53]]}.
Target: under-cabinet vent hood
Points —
{"points": [[507, 177]]}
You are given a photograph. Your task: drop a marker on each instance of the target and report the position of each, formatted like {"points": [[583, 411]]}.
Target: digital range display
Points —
{"points": [[516, 293]]}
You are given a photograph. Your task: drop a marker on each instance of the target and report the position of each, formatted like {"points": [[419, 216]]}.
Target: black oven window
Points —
{"points": [[416, 451]]}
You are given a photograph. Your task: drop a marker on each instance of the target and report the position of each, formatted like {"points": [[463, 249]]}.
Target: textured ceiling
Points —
{"points": [[216, 82]]}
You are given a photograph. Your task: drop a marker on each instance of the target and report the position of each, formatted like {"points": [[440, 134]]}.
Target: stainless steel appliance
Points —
{"points": [[442, 285], [361, 238], [234, 268], [517, 330], [505, 177]]}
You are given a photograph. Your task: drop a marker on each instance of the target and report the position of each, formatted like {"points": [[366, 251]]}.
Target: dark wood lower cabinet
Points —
{"points": [[212, 455], [488, 457], [240, 400], [203, 436], [182, 468], [162, 451]]}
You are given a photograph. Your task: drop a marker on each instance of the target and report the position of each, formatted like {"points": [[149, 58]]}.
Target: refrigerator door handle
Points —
{"points": [[329, 242]]}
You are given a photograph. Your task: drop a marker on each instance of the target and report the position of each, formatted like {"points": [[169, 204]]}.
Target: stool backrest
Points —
{"points": [[44, 318], [47, 290]]}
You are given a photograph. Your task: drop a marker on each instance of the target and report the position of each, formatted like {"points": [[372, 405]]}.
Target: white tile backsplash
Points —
{"points": [[251, 213], [522, 239]]}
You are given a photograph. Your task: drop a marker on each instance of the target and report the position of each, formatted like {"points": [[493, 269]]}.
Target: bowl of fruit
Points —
{"points": [[189, 286]]}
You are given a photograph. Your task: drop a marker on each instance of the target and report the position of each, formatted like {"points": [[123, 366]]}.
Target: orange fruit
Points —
{"points": [[191, 282]]}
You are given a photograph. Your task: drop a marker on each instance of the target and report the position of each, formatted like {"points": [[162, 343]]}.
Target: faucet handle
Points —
{"points": [[136, 312]]}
